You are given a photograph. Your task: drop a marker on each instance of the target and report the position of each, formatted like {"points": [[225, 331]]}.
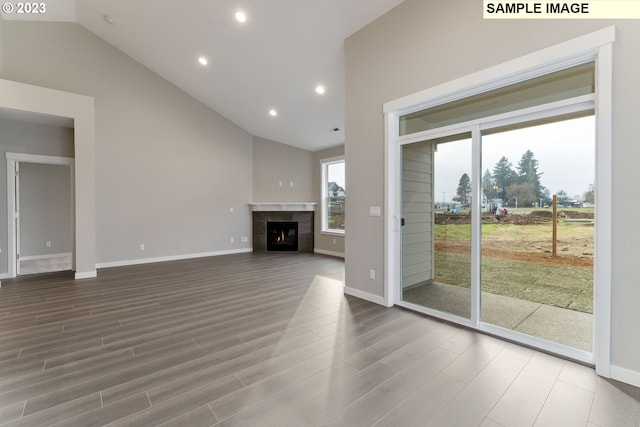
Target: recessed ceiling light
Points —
{"points": [[202, 60], [320, 90], [273, 113], [109, 20], [241, 16]]}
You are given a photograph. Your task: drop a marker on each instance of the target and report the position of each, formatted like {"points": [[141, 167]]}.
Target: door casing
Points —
{"points": [[13, 240]]}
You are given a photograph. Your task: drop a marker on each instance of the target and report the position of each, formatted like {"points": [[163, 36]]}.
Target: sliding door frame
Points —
{"points": [[594, 47]]}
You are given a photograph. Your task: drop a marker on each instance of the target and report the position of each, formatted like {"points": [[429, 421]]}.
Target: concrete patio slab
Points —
{"points": [[560, 325], [568, 327]]}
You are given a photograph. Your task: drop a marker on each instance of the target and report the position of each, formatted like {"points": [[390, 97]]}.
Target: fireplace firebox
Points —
{"points": [[282, 236]]}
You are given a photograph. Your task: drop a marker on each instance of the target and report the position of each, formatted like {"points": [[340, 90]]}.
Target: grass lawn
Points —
{"points": [[537, 277], [554, 285]]}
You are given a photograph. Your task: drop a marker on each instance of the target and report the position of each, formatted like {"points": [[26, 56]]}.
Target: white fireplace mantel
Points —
{"points": [[283, 207]]}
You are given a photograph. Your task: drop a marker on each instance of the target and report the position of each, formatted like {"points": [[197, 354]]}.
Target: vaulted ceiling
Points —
{"points": [[261, 74]]}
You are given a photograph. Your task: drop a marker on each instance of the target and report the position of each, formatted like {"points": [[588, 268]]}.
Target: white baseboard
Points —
{"points": [[364, 295], [86, 274], [125, 263], [49, 256], [625, 375], [78, 275], [330, 253]]}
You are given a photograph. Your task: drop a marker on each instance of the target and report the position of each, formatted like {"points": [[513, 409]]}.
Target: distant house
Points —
{"points": [[335, 214], [335, 190]]}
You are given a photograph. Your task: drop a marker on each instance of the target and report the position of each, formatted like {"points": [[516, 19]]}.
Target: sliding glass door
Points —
{"points": [[495, 217], [515, 204], [436, 224], [537, 230]]}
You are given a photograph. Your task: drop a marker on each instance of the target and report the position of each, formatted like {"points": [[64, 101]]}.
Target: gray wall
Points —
{"points": [[29, 138], [1, 44], [275, 164], [325, 242], [168, 169], [423, 43], [45, 209]]}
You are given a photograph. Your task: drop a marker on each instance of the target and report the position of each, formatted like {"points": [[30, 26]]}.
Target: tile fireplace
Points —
{"points": [[282, 227]]}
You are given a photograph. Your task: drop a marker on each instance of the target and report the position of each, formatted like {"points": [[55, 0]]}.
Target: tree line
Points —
{"points": [[521, 183]]}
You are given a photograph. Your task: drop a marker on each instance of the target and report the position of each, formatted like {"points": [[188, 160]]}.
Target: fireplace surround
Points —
{"points": [[301, 214]]}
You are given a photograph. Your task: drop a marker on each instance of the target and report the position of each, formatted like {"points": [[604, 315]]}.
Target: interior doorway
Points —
{"points": [[40, 212]]}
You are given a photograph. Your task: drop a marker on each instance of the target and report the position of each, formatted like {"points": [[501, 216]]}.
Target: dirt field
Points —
{"points": [[517, 254], [526, 237]]}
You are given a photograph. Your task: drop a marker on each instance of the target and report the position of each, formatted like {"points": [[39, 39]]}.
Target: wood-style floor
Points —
{"points": [[268, 340]]}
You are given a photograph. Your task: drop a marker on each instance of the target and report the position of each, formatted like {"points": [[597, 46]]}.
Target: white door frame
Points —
{"points": [[596, 46], [13, 160]]}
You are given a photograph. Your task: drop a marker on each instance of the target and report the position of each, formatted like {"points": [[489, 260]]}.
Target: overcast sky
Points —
{"points": [[335, 173], [565, 152]]}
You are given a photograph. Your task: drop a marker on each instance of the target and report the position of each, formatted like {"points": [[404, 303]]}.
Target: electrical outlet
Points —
{"points": [[47, 243], [245, 239], [231, 209], [142, 246], [232, 240], [372, 274]]}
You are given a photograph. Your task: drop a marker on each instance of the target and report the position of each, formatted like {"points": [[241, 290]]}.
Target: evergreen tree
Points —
{"points": [[503, 177], [464, 190], [546, 197], [487, 186], [528, 173]]}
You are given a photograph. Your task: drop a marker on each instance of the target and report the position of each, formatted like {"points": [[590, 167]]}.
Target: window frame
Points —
{"points": [[324, 211]]}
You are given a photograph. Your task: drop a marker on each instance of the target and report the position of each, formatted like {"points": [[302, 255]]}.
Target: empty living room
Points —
{"points": [[308, 213]]}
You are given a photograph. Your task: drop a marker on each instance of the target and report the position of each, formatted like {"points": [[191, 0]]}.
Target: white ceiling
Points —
{"points": [[273, 61]]}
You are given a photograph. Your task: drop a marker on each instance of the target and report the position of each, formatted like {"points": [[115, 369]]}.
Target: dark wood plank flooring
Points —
{"points": [[267, 339]]}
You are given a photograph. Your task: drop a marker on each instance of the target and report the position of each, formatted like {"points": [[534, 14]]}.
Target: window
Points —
{"points": [[333, 195]]}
